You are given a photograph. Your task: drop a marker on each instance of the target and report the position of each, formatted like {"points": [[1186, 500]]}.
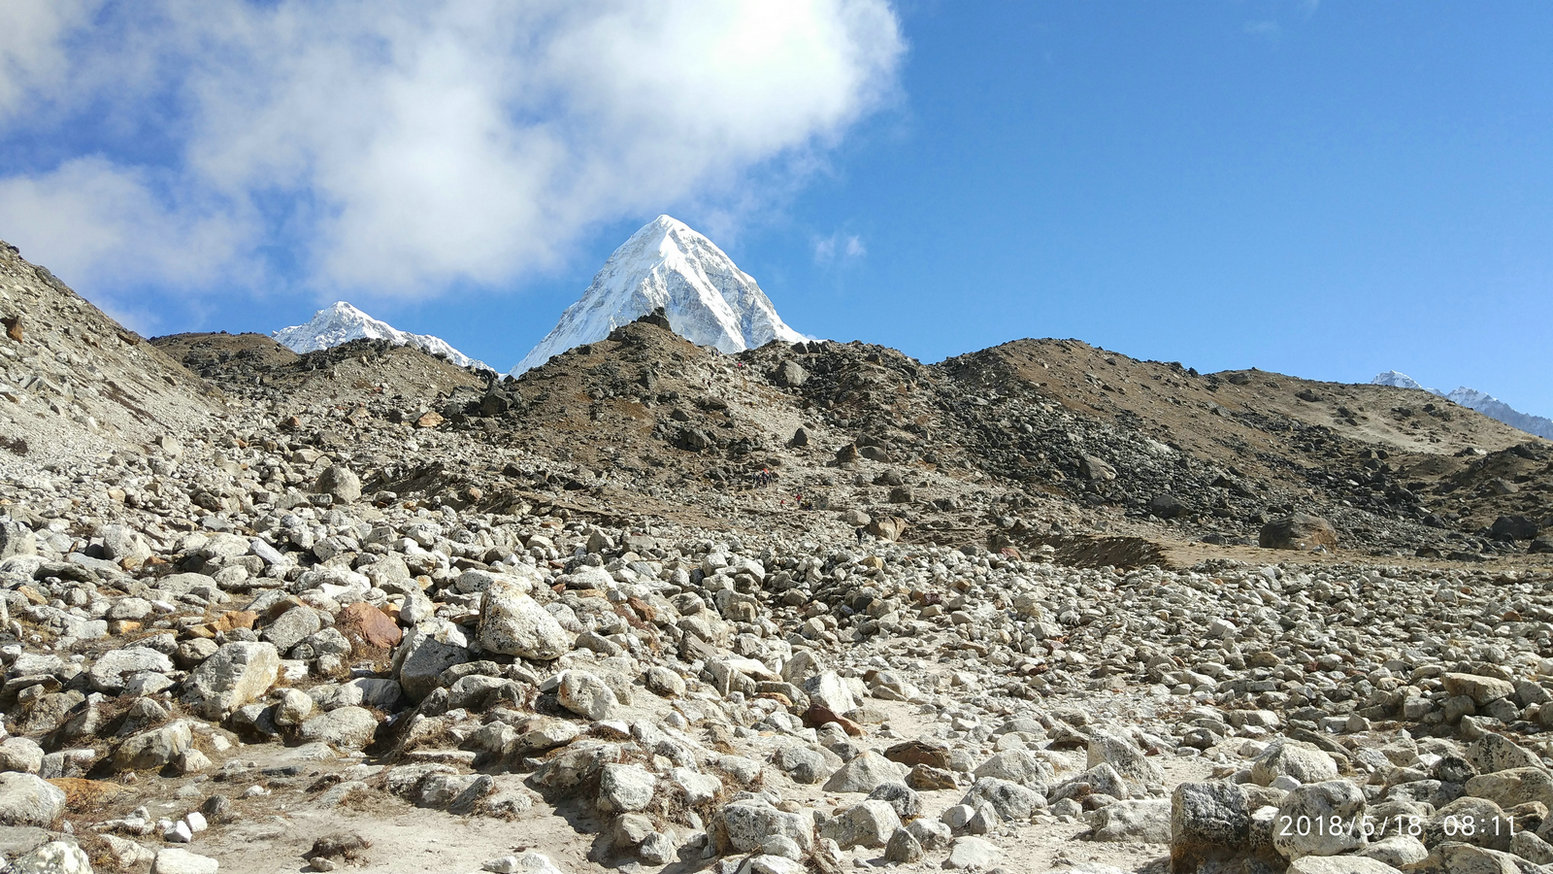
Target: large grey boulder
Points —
{"points": [[175, 861], [123, 544], [16, 539], [1121, 752], [512, 623], [1300, 761], [869, 824], [1300, 531], [114, 669], [1018, 766], [830, 691], [1482, 690], [1495, 752], [586, 695], [347, 728], [1209, 822], [54, 857], [806, 764], [973, 853], [239, 672], [865, 773], [1336, 802], [29, 800], [20, 754], [340, 482], [289, 628], [625, 788], [1145, 821], [1513, 786], [1011, 801], [154, 747], [744, 826], [420, 660], [789, 374], [1340, 865]]}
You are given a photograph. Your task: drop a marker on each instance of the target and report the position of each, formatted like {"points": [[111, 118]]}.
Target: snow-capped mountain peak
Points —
{"points": [[341, 322], [1473, 399], [1397, 380], [707, 298], [1493, 407]]}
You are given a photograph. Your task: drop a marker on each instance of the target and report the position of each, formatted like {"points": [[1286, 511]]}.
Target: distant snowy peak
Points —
{"points": [[341, 323], [707, 298], [1473, 399], [1398, 380], [1494, 408]]}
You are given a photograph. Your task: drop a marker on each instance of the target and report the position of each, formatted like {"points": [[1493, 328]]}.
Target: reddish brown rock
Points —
{"points": [[818, 715], [916, 752], [926, 778], [366, 626], [1300, 531]]}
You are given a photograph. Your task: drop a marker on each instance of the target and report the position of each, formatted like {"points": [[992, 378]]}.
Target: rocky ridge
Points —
{"points": [[337, 603], [1473, 399]]}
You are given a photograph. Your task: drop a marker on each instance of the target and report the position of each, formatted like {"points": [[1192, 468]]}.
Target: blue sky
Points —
{"points": [[1322, 189]]}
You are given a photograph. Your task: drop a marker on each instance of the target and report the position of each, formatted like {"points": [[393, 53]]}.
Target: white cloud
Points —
{"points": [[404, 146], [93, 222], [32, 55], [839, 246]]}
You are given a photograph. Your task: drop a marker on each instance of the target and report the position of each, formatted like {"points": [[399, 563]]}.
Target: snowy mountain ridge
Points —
{"points": [[1401, 380], [1473, 399], [340, 322], [706, 297]]}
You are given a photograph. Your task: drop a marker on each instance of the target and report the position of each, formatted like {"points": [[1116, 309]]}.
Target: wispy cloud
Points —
{"points": [[401, 147], [839, 247]]}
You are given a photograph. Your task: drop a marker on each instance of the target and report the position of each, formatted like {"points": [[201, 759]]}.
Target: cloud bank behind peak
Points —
{"points": [[401, 148]]}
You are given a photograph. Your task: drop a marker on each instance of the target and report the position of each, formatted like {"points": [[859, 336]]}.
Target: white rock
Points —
{"points": [[27, 800], [972, 853], [745, 825], [239, 672], [1300, 761], [347, 728], [624, 788], [55, 857], [1332, 801], [530, 862], [113, 669], [512, 623], [1145, 821], [868, 824], [586, 695], [175, 861], [829, 690], [20, 754], [865, 773]]}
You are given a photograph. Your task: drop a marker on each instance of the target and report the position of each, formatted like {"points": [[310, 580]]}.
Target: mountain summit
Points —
{"points": [[1399, 380], [1473, 399], [341, 322], [707, 298]]}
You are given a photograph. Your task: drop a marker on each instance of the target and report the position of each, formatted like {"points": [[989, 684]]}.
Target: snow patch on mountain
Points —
{"points": [[1399, 380], [1493, 407], [707, 298], [1473, 399], [341, 323]]}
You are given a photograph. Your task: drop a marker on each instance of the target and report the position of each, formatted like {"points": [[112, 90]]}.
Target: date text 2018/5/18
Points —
{"points": [[1401, 824]]}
